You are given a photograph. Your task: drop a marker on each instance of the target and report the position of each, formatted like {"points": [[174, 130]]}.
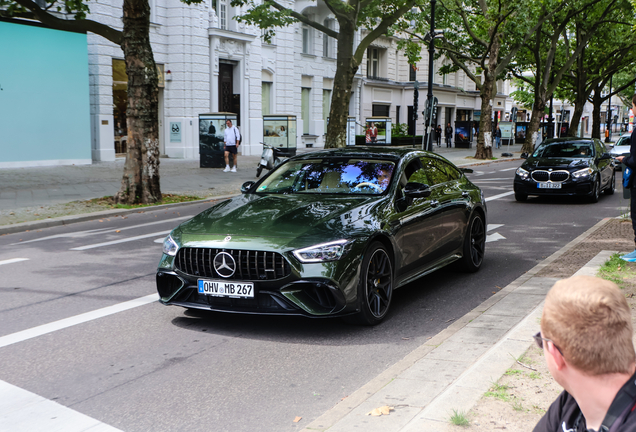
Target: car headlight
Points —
{"points": [[525, 175], [170, 247], [323, 252], [582, 173]]}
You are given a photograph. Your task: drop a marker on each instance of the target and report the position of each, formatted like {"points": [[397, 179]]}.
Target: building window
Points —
{"points": [[220, 7], [328, 43], [397, 114], [445, 79], [326, 103], [412, 72], [267, 98], [373, 62], [379, 110], [304, 109], [307, 39]]}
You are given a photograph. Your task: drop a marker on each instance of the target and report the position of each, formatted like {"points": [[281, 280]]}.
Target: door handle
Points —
{"points": [[434, 203]]}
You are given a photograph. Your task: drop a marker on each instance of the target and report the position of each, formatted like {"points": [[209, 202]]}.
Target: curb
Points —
{"points": [[67, 220], [337, 418]]}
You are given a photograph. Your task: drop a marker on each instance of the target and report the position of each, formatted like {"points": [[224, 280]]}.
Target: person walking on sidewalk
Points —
{"points": [[630, 161], [448, 134], [586, 337], [438, 135], [232, 140], [498, 137]]}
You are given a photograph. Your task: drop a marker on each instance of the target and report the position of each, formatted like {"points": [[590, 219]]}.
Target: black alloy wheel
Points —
{"points": [[612, 186], [596, 192], [376, 285], [474, 245]]}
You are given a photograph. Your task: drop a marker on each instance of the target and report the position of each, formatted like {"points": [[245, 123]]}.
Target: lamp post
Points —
{"points": [[608, 138], [429, 94]]}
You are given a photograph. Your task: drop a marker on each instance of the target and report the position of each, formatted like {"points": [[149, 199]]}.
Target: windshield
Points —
{"points": [[576, 149], [622, 141], [330, 176]]}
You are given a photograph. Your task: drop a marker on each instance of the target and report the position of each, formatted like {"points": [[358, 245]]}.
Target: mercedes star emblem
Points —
{"points": [[224, 264]]}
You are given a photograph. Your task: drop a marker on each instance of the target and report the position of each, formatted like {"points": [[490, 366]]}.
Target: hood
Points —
{"points": [[285, 216], [558, 163]]}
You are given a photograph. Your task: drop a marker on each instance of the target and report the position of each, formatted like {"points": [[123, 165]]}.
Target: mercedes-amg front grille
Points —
{"points": [[248, 265]]}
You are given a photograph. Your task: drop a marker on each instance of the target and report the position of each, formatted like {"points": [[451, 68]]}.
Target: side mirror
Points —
{"points": [[245, 187], [416, 190], [466, 170], [524, 155], [605, 156]]}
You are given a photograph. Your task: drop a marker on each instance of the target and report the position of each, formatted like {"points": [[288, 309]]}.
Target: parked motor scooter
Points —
{"points": [[270, 159]]}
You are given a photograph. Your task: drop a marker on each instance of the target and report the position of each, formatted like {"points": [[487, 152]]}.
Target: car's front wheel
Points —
{"points": [[596, 192], [375, 289], [474, 245]]}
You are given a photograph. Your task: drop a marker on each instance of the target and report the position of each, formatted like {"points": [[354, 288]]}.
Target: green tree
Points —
{"points": [[481, 38], [374, 17], [609, 52], [140, 182]]}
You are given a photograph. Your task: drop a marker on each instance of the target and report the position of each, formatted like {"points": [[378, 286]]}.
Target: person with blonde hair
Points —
{"points": [[586, 337]]}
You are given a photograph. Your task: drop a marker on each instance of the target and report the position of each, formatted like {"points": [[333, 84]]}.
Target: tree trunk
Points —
{"points": [[579, 105], [487, 94], [484, 140], [532, 133], [597, 100], [346, 68], [140, 183]]}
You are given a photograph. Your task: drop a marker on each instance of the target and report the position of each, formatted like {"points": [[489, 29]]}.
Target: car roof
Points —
{"points": [[393, 153], [568, 140]]}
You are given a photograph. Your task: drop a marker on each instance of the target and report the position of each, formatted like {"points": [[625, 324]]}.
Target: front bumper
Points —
{"points": [[582, 187], [313, 290]]}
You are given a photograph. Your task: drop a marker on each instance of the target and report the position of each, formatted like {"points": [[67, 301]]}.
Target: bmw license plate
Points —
{"points": [[547, 185], [226, 289]]}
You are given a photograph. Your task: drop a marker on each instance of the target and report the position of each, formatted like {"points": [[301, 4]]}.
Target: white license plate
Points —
{"points": [[226, 289], [546, 185]]}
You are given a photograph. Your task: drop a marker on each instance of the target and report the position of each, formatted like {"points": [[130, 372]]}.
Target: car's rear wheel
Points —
{"points": [[596, 192], [612, 186], [474, 245], [521, 197], [375, 289]]}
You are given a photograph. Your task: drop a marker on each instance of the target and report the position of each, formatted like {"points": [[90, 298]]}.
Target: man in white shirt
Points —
{"points": [[232, 141]]}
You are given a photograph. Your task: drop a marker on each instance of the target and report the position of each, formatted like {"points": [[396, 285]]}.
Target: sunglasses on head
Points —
{"points": [[539, 340]]}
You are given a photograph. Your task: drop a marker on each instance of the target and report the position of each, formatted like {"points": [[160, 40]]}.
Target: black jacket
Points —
{"points": [[564, 415]]}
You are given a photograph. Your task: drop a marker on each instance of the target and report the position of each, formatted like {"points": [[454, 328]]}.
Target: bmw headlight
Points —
{"points": [[323, 252], [170, 247], [525, 175], [585, 172]]}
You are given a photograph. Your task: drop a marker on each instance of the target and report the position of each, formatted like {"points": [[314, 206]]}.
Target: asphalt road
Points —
{"points": [[144, 366]]}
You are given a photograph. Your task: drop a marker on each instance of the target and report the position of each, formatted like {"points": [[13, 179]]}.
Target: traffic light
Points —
{"points": [[513, 114]]}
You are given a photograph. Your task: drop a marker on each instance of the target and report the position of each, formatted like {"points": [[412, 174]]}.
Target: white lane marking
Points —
{"points": [[31, 333], [494, 237], [124, 240], [479, 173], [491, 227], [160, 240], [491, 179], [13, 260], [499, 196], [79, 234], [21, 410], [508, 169]]}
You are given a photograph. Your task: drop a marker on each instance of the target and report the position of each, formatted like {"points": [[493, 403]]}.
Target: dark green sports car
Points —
{"points": [[328, 233]]}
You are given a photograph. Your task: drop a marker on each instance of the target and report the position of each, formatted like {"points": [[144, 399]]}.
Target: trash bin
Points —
{"points": [[211, 134]]}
